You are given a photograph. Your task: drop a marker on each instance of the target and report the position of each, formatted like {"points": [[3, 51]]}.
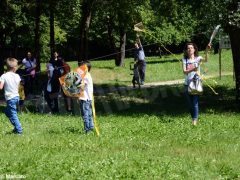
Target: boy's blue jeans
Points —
{"points": [[86, 111], [193, 104], [11, 113]]}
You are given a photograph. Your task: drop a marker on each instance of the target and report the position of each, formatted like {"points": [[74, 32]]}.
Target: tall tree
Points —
{"points": [[15, 27], [37, 33], [86, 12], [51, 20], [233, 28], [117, 19], [2, 41]]}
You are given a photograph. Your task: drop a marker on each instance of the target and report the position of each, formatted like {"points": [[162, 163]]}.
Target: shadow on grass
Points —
{"points": [[107, 67], [163, 61], [162, 100]]}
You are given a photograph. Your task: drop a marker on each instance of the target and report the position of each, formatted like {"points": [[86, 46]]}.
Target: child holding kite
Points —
{"points": [[79, 84], [86, 99]]}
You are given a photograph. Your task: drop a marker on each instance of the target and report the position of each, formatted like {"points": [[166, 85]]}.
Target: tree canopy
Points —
{"points": [[170, 22]]}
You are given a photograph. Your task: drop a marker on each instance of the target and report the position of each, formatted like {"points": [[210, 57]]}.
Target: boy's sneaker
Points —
{"points": [[15, 132]]}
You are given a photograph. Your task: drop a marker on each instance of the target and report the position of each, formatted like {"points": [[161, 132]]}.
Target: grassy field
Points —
{"points": [[144, 134]]}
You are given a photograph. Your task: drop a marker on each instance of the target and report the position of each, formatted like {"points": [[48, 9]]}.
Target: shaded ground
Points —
{"points": [[153, 98]]}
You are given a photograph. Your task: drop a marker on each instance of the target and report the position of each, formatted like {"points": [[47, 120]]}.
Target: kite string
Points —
{"points": [[95, 117], [99, 57]]}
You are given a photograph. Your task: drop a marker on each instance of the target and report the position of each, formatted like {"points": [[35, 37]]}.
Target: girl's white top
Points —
{"points": [[187, 63]]}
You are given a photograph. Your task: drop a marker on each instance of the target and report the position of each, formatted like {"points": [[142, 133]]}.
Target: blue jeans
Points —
{"points": [[86, 112], [142, 69], [11, 113], [193, 104]]}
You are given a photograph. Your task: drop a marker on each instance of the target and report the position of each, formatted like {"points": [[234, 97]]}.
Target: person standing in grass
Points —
{"points": [[30, 65], [86, 99], [55, 71], [10, 82], [139, 56], [191, 66]]}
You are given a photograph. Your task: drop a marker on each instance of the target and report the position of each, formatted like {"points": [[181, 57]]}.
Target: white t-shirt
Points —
{"points": [[11, 82], [188, 63], [88, 88], [50, 70]]}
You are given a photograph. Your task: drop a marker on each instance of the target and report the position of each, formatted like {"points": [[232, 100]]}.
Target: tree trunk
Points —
{"points": [[233, 28], [4, 9], [87, 6], [37, 34], [234, 34], [111, 38], [52, 33], [120, 60], [2, 45]]}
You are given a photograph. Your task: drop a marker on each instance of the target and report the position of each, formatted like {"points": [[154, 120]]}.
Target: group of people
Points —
{"points": [[11, 81], [56, 68]]}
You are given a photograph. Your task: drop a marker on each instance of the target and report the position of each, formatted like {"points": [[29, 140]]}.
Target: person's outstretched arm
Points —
{"points": [[1, 83], [139, 41], [205, 59]]}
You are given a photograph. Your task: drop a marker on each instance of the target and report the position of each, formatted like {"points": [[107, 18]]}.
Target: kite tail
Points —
{"points": [[94, 117]]}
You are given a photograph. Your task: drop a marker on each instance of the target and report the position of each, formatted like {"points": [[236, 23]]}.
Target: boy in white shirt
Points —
{"points": [[86, 100], [10, 82]]}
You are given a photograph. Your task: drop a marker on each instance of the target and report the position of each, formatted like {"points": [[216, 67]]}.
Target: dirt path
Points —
{"points": [[163, 83]]}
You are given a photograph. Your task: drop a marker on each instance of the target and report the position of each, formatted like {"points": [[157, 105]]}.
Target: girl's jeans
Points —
{"points": [[11, 113], [86, 111], [193, 104]]}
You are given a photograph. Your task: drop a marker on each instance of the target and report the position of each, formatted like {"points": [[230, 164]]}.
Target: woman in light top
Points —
{"points": [[191, 66]]}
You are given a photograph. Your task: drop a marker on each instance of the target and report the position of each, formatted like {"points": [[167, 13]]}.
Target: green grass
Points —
{"points": [[144, 134]]}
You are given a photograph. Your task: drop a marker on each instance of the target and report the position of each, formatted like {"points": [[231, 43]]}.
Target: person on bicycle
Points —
{"points": [[139, 56]]}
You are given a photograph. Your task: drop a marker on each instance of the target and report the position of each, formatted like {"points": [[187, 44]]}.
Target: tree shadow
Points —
{"points": [[163, 61], [165, 100], [107, 67], [162, 100]]}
